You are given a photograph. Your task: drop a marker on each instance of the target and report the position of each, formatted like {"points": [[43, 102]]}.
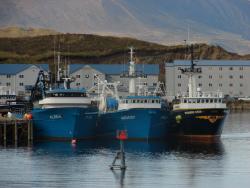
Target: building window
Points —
{"points": [[241, 93], [78, 76], [8, 76], [179, 85], [77, 84], [210, 76], [154, 84], [220, 85], [241, 85], [179, 76], [200, 85], [7, 84], [231, 85], [220, 76], [220, 68], [86, 76], [241, 76], [145, 83], [231, 68], [21, 84], [210, 85], [241, 68], [199, 76], [231, 76], [21, 76]]}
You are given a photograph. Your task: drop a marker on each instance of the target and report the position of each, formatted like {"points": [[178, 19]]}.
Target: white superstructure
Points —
{"points": [[195, 99]]}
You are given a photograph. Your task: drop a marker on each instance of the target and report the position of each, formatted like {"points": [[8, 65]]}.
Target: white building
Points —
{"points": [[85, 75], [232, 77], [17, 77]]}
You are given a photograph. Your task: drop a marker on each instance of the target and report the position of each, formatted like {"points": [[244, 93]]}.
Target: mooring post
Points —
{"points": [[16, 133], [31, 130], [28, 131], [4, 133]]}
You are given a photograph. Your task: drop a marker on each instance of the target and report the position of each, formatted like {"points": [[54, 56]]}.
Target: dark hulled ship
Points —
{"points": [[197, 115]]}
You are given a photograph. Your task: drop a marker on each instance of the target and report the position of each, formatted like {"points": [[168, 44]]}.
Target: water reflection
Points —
{"points": [[119, 176], [150, 148], [198, 148]]}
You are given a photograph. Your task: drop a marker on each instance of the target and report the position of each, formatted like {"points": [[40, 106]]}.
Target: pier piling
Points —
{"points": [[15, 131]]}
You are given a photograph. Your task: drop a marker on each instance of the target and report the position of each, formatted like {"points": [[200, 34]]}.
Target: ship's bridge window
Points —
{"points": [[133, 101], [215, 100], [126, 101], [146, 101], [153, 101], [185, 101], [207, 101], [211, 100], [198, 101]]}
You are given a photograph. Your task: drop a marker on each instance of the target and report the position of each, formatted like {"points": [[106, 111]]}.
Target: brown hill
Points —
{"points": [[82, 48], [14, 32]]}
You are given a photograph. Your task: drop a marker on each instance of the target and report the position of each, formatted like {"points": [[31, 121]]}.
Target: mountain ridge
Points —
{"points": [[222, 22]]}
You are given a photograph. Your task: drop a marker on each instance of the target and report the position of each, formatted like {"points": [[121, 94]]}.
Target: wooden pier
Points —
{"points": [[16, 132]]}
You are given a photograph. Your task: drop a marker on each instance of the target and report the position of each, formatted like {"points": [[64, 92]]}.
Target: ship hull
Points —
{"points": [[140, 124], [203, 124], [64, 123]]}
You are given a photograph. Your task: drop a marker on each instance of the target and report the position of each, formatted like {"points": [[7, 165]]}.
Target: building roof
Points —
{"points": [[13, 69], [210, 63], [151, 69]]}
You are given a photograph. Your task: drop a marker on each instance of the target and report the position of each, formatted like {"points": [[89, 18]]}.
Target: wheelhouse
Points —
{"points": [[201, 100], [145, 101], [66, 93]]}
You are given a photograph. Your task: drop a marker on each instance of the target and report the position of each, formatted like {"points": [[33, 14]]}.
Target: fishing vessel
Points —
{"points": [[197, 114], [142, 115], [63, 113]]}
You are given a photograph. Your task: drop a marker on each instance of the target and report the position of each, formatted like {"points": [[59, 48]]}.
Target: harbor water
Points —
{"points": [[153, 164]]}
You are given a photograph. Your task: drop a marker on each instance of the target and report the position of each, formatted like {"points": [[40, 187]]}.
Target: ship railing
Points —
{"points": [[199, 94]]}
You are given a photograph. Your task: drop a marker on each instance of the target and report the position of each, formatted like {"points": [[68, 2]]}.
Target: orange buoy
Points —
{"points": [[29, 116]]}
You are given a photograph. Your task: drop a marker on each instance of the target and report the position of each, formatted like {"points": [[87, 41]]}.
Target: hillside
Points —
{"points": [[80, 48], [222, 22], [14, 32]]}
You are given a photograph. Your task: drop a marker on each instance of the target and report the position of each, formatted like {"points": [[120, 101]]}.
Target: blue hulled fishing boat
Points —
{"points": [[64, 113], [143, 115]]}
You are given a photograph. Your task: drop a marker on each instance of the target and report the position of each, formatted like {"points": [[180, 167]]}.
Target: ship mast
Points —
{"points": [[191, 72], [131, 73]]}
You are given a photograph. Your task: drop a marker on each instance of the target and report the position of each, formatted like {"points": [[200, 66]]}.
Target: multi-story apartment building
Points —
{"points": [[229, 76]]}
